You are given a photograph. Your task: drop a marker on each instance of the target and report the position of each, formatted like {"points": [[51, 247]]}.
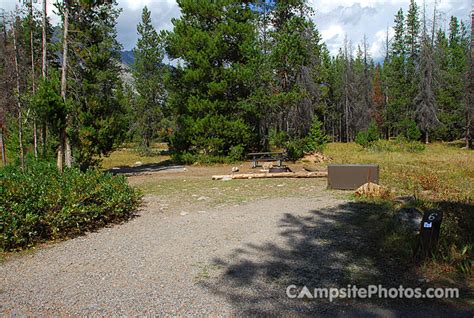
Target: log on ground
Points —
{"points": [[318, 174]]}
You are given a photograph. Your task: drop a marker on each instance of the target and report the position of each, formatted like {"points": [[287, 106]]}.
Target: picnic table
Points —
{"points": [[266, 156]]}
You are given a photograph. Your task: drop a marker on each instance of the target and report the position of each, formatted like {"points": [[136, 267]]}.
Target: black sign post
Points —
{"points": [[429, 231]]}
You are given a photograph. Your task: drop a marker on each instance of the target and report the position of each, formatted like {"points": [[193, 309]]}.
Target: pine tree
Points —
{"points": [[470, 93], [378, 98], [294, 58], [395, 66], [412, 42], [97, 115], [452, 62], [210, 90], [148, 73]]}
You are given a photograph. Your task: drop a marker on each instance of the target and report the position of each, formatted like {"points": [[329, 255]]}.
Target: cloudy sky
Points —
{"points": [[334, 18]]}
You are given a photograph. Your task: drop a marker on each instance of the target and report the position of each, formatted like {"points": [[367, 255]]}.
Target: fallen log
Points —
{"points": [[317, 174]]}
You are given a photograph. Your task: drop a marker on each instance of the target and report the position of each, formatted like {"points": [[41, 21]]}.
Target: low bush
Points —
{"points": [[317, 139], [276, 139], [295, 149], [41, 203], [367, 138], [236, 153]]}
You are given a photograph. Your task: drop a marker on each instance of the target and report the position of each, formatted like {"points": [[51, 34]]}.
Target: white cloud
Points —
{"points": [[334, 18]]}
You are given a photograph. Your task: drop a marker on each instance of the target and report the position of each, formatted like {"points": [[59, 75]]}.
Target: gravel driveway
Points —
{"points": [[234, 260]]}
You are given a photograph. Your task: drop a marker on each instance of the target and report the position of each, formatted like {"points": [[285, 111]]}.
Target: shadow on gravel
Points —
{"points": [[166, 165], [331, 247]]}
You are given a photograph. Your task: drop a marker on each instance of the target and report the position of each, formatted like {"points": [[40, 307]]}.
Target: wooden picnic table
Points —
{"points": [[267, 156]]}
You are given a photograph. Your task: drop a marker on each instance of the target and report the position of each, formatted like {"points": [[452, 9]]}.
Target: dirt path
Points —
{"points": [[234, 260]]}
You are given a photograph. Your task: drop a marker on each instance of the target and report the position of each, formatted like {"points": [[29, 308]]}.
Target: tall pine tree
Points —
{"points": [[210, 89], [148, 73]]}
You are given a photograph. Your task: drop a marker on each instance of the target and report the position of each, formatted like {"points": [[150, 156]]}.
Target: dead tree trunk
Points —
{"points": [[62, 134], [44, 74], [17, 74], [32, 50]]}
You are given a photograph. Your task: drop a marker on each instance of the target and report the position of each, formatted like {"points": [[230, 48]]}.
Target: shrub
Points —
{"points": [[366, 138], [236, 153], [188, 158], [40, 203], [295, 149], [316, 140], [362, 139], [409, 130], [276, 139]]}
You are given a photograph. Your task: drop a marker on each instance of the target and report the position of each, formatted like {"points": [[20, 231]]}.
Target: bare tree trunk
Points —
{"points": [[44, 74], [62, 134], [43, 46], [35, 134], [17, 73]]}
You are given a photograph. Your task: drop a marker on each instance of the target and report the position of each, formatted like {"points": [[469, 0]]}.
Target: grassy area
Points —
{"points": [[439, 172], [128, 158]]}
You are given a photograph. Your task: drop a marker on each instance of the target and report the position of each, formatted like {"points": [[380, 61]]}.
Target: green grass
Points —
{"points": [[128, 158]]}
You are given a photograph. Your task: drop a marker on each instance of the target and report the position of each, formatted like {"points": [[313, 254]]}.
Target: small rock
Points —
{"points": [[405, 199], [235, 169], [138, 163], [184, 213], [280, 185], [202, 198]]}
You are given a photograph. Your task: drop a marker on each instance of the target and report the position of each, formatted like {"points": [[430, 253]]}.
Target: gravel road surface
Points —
{"points": [[234, 260]]}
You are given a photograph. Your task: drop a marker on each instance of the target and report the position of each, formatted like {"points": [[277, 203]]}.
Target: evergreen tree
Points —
{"points": [[148, 79], [97, 116], [211, 88], [294, 59], [453, 64], [395, 66], [412, 43], [470, 93]]}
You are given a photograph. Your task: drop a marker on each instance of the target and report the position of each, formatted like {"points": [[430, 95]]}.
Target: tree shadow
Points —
{"points": [[167, 165], [331, 247]]}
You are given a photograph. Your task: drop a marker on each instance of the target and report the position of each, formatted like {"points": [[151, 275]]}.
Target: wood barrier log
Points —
{"points": [[317, 174]]}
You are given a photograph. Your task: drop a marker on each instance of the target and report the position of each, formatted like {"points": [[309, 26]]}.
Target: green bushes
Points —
{"points": [[316, 140], [366, 138], [295, 149], [40, 203]]}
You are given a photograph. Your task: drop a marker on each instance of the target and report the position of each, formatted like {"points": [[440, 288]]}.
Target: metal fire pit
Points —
{"points": [[279, 169], [350, 177]]}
